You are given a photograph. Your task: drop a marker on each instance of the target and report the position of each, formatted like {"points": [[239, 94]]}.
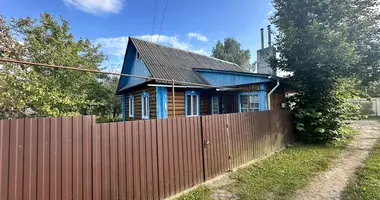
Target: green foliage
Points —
{"points": [[106, 104], [326, 44], [366, 185], [201, 193], [323, 120], [279, 176], [230, 50], [27, 91]]}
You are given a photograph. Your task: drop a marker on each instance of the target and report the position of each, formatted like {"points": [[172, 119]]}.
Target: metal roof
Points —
{"points": [[176, 64]]}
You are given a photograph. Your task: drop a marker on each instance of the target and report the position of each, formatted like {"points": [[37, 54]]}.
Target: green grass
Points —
{"points": [[201, 193], [279, 176], [367, 182]]}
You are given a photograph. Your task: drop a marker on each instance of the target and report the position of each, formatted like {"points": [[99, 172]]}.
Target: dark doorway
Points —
{"points": [[227, 104]]}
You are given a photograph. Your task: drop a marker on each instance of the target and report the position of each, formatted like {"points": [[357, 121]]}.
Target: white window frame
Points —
{"points": [[131, 106], [215, 112], [196, 94], [145, 105], [249, 109]]}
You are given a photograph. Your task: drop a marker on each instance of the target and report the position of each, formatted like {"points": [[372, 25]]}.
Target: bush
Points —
{"points": [[323, 119]]}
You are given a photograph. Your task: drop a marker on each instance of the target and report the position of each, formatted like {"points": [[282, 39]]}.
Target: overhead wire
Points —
{"points": [[162, 20], [154, 21], [101, 72]]}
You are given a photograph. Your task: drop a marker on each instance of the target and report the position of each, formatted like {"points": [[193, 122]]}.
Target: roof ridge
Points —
{"points": [[186, 51]]}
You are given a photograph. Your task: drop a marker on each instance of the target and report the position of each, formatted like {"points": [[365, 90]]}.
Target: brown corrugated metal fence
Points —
{"points": [[234, 139], [75, 158]]}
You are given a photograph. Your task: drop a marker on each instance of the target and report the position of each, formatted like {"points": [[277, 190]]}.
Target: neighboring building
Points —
{"points": [[368, 107], [237, 90]]}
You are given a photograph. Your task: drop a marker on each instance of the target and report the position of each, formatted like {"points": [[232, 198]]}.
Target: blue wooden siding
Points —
{"points": [[162, 102], [220, 78], [132, 66]]}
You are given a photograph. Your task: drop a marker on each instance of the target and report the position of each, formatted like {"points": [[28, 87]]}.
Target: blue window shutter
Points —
{"points": [[123, 114], [263, 97], [239, 109], [186, 104], [162, 102], [158, 103], [165, 103], [263, 100], [199, 104]]}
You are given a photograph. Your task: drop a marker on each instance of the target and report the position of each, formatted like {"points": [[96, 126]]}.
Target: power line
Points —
{"points": [[154, 20], [162, 21], [101, 72]]}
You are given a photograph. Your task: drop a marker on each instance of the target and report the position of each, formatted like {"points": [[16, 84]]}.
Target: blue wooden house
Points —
{"points": [[234, 89]]}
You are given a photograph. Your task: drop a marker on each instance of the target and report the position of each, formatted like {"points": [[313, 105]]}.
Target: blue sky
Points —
{"points": [[193, 25]]}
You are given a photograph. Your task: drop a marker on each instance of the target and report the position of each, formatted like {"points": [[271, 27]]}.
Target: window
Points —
{"points": [[249, 103], [131, 106], [138, 57], [215, 105], [145, 105], [192, 103]]}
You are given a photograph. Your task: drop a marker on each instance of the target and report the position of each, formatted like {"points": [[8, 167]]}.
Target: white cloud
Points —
{"points": [[113, 64], [201, 51], [113, 46], [173, 41], [198, 36], [96, 6]]}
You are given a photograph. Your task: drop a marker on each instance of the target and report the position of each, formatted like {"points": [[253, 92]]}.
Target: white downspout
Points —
{"points": [[275, 87]]}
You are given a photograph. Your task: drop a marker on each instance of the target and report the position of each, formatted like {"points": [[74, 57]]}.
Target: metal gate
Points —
{"points": [[231, 140]]}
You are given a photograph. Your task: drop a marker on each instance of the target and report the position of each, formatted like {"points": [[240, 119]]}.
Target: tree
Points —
{"points": [[108, 105], [231, 51], [326, 44], [36, 91], [372, 89]]}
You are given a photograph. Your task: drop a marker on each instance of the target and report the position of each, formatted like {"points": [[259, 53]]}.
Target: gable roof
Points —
{"points": [[176, 64]]}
